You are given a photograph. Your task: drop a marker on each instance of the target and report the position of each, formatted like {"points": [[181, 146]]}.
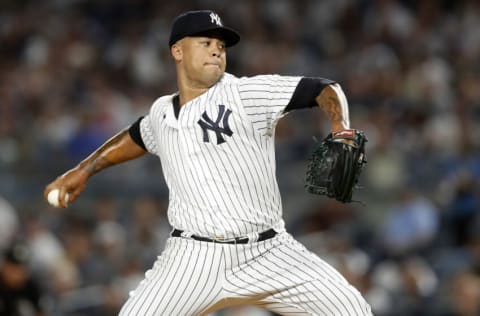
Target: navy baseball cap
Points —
{"points": [[202, 23]]}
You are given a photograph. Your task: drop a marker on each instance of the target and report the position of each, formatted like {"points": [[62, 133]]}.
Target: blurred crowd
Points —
{"points": [[74, 72]]}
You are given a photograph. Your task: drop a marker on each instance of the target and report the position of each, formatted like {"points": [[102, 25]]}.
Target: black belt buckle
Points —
{"points": [[237, 240]]}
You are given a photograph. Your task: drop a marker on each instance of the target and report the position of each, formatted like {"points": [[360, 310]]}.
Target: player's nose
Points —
{"points": [[217, 47], [215, 51]]}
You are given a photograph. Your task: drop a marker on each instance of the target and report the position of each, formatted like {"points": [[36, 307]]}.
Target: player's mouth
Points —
{"points": [[213, 65]]}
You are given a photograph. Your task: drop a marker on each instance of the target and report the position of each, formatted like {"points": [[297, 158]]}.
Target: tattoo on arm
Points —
{"points": [[99, 159], [333, 110], [333, 102], [98, 164]]}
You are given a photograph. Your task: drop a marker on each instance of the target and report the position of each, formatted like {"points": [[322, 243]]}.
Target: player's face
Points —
{"points": [[203, 59]]}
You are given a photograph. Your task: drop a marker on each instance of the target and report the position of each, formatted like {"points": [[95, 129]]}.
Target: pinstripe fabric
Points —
{"points": [[196, 278], [184, 280], [226, 189], [218, 160], [297, 281]]}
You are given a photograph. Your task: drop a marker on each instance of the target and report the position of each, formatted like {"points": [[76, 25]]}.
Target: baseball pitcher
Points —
{"points": [[215, 140]]}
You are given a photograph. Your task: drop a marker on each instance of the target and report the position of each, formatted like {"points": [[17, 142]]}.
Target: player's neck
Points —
{"points": [[188, 88], [187, 93], [191, 87]]}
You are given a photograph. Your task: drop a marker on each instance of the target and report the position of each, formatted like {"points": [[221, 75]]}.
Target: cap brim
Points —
{"points": [[226, 34]]}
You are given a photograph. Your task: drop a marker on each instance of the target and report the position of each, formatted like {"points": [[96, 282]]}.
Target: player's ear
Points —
{"points": [[176, 51]]}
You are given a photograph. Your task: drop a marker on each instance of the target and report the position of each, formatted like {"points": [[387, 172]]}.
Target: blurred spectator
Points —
{"points": [[108, 235], [8, 223], [20, 293], [410, 225], [148, 231], [402, 287], [49, 258], [462, 206], [463, 295], [120, 287]]}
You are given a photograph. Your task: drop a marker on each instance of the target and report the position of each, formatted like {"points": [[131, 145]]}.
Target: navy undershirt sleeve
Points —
{"points": [[134, 132], [307, 90]]}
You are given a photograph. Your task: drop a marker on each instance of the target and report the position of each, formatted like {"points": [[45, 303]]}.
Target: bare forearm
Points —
{"points": [[118, 149], [334, 104]]}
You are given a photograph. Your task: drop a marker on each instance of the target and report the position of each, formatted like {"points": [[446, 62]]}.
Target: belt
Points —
{"points": [[237, 240]]}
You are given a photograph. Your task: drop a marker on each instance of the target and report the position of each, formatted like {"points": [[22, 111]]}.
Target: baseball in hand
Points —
{"points": [[53, 197]]}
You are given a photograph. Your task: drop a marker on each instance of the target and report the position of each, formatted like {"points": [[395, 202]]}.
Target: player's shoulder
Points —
{"points": [[267, 80], [163, 101], [228, 80], [231, 80]]}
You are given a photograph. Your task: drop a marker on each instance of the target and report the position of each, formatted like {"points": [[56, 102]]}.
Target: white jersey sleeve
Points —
{"points": [[265, 97], [149, 129], [146, 130]]}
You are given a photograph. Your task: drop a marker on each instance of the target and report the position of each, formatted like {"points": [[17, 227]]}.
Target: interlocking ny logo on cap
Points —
{"points": [[214, 18]]}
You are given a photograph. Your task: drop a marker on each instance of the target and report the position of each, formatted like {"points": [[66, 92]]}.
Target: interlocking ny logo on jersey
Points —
{"points": [[214, 18], [206, 123]]}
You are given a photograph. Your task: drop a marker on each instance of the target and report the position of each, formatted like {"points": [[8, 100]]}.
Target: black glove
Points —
{"points": [[335, 165]]}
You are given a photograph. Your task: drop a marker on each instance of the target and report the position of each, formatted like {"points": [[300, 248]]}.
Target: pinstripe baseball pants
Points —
{"points": [[279, 274]]}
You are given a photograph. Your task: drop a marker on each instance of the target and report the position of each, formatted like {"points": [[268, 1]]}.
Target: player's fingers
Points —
{"points": [[73, 196], [51, 186], [75, 192], [48, 188], [63, 197]]}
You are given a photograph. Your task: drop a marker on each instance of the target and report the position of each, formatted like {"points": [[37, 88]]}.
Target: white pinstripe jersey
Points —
{"points": [[218, 157]]}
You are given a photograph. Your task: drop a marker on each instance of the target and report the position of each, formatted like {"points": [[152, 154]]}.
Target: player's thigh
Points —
{"points": [[304, 284], [313, 298], [183, 281]]}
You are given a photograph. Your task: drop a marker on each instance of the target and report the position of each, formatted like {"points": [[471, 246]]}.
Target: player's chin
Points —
{"points": [[213, 74]]}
